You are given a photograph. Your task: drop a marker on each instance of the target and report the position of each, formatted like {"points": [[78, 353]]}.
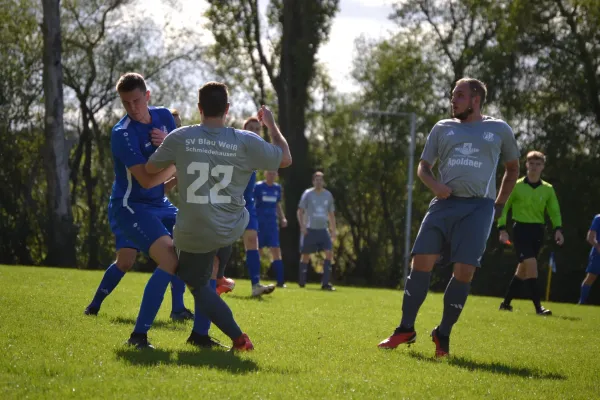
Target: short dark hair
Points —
{"points": [[213, 98], [536, 155], [477, 87], [131, 81], [250, 119]]}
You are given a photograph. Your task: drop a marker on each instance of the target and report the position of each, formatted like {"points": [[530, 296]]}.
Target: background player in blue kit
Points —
{"points": [[139, 213], [250, 236], [267, 198], [593, 268]]}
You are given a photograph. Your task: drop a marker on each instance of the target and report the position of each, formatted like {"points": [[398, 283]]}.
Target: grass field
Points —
{"points": [[308, 344]]}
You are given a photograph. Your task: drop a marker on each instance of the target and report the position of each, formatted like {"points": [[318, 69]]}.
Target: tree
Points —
{"points": [[61, 231], [298, 28]]}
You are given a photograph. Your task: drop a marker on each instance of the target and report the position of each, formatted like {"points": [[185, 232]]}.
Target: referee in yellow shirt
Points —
{"points": [[529, 200]]}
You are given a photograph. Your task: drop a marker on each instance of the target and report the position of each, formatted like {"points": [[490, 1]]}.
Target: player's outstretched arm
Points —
{"points": [[265, 116], [281, 216], [511, 174], [149, 180], [426, 175]]}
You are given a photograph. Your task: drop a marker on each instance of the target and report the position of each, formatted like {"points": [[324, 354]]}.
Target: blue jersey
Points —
{"points": [[249, 194], [595, 228], [131, 145], [266, 198]]}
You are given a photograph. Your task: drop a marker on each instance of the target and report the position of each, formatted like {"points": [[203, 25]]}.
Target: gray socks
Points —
{"points": [[454, 302], [415, 292]]}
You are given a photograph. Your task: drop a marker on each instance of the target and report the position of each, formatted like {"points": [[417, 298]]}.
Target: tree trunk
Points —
{"points": [[292, 87], [60, 234]]}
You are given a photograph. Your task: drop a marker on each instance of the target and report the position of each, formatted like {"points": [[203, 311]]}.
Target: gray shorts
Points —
{"points": [[315, 240], [195, 269], [462, 223]]}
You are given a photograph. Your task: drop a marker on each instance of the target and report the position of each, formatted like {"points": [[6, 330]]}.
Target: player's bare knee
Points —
{"points": [[304, 258], [275, 253], [464, 272], [590, 279], [126, 259], [329, 255], [250, 239], [162, 252], [424, 262]]}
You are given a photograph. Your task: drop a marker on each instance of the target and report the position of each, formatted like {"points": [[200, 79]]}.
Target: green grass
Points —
{"points": [[308, 344]]}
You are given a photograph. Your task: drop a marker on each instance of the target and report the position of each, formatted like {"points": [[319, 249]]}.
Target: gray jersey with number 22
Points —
{"points": [[213, 170]]}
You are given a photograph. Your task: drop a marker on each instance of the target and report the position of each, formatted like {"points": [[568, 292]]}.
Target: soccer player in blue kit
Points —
{"points": [[139, 213], [250, 236], [267, 198], [593, 268]]}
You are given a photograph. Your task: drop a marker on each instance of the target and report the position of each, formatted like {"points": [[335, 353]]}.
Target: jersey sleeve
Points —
{"points": [[331, 207], [430, 151], [166, 152], [504, 216], [169, 121], [303, 201], [510, 149], [554, 210], [125, 147], [261, 154], [595, 224]]}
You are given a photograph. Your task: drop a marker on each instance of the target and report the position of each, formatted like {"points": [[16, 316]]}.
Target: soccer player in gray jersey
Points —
{"points": [[214, 165], [315, 213], [468, 148]]}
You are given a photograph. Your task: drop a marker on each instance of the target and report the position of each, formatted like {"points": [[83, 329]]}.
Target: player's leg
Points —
{"points": [[528, 252], [179, 312], [125, 259], [328, 247], [195, 270], [469, 233], [268, 236], [308, 246], [277, 265], [426, 251], [253, 259], [520, 241], [592, 271], [224, 284]]}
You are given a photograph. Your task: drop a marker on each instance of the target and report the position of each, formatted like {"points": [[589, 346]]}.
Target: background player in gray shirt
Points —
{"points": [[214, 165], [468, 148], [315, 214]]}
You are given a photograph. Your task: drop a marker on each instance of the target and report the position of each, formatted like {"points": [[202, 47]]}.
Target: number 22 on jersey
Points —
{"points": [[203, 169]]}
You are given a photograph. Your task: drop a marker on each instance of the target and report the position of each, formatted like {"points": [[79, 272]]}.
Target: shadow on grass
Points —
{"points": [[249, 297], [567, 318], [494, 367], [157, 324], [217, 359]]}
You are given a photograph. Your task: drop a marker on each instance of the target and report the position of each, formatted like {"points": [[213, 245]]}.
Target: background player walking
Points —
{"points": [[593, 268], [530, 199]]}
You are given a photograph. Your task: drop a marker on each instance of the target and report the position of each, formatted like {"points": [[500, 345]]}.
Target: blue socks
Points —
{"points": [[201, 323], [585, 292], [277, 266], [153, 297], [326, 272], [253, 264], [177, 291], [111, 279]]}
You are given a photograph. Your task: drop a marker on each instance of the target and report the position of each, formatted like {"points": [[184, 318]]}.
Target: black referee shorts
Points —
{"points": [[528, 239]]}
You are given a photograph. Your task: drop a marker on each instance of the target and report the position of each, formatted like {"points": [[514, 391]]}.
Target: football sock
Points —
{"points": [[109, 282], [585, 292], [455, 298], [415, 292], [177, 291], [153, 297], [209, 305], [277, 266], [253, 265], [326, 272], [535, 294], [201, 323], [303, 271], [513, 289]]}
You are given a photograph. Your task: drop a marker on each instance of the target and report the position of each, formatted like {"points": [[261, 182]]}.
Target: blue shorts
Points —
{"points": [[140, 225], [253, 221], [315, 240], [593, 265], [463, 223], [268, 234]]}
